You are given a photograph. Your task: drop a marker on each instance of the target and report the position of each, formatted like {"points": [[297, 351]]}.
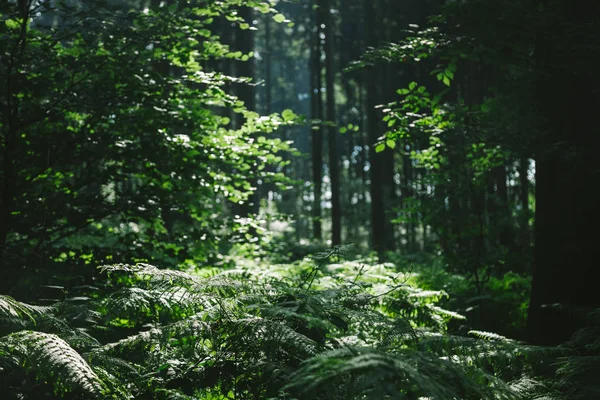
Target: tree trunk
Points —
{"points": [[377, 163], [10, 124], [524, 199], [244, 40], [567, 215], [316, 102], [334, 168]]}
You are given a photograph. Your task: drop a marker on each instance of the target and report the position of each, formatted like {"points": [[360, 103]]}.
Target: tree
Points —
{"points": [[317, 115], [567, 212], [532, 109], [380, 165], [98, 146], [334, 169]]}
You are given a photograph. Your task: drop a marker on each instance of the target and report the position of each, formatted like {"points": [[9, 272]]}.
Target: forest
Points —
{"points": [[299, 199]]}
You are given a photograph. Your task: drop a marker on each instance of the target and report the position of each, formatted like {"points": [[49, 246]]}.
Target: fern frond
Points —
{"points": [[15, 312], [528, 388], [52, 359], [275, 337], [150, 272], [369, 374], [490, 336]]}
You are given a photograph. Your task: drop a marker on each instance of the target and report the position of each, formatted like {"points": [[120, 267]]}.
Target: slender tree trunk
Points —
{"points": [[505, 229], [334, 168], [524, 199], [10, 125], [268, 74], [244, 40], [408, 196], [317, 114], [378, 231]]}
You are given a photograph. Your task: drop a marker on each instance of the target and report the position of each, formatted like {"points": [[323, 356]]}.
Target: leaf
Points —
{"points": [[288, 115], [52, 359], [390, 143], [412, 85], [380, 147], [279, 18], [263, 8]]}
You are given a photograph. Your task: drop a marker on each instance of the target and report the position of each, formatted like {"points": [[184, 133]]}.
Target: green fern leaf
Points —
{"points": [[52, 360]]}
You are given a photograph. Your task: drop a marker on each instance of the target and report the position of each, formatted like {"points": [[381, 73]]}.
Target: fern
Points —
{"points": [[489, 336], [53, 360], [310, 330], [13, 313], [361, 372]]}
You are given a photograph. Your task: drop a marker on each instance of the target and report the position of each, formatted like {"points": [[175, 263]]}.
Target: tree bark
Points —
{"points": [[567, 215], [316, 102], [334, 168]]}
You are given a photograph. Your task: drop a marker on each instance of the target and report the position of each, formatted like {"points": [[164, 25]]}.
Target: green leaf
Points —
{"points": [[380, 147], [288, 115], [12, 24], [343, 129], [446, 81], [390, 143], [412, 85], [263, 8], [279, 18]]}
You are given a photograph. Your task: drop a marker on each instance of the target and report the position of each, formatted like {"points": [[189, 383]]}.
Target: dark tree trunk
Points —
{"points": [[377, 162], [524, 200], [316, 102], [334, 168], [10, 124], [567, 215]]}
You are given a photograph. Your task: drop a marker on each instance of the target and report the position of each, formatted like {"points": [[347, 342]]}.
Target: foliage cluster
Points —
{"points": [[116, 139]]}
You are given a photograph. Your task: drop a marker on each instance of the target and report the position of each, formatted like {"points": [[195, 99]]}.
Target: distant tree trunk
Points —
{"points": [[334, 168], [8, 172], [268, 74], [316, 102], [387, 83], [407, 197], [524, 199], [505, 221], [377, 163], [567, 215], [244, 42], [499, 218]]}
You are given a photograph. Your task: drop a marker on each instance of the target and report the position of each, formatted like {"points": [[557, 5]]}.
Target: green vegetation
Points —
{"points": [[320, 328], [174, 225]]}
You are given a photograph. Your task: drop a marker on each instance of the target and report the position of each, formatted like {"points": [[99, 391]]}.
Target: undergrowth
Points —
{"points": [[322, 328]]}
